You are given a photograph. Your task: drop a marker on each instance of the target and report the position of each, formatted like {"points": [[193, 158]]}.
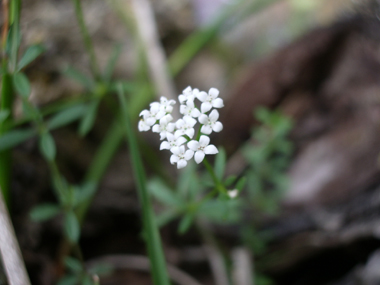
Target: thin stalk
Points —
{"points": [[218, 183], [87, 39], [7, 95], [100, 162], [153, 240], [6, 155]]}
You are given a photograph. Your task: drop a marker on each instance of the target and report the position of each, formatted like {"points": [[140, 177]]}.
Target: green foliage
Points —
{"points": [[21, 84], [71, 227], [47, 146], [44, 212], [79, 77], [15, 137], [268, 155], [88, 118], [4, 114], [66, 116], [30, 54]]}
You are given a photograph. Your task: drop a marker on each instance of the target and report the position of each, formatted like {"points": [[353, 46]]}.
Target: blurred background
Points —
{"points": [[314, 64]]}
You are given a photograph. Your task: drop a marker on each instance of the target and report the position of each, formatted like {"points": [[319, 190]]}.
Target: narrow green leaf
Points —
{"points": [[67, 116], [163, 194], [44, 212], [73, 264], [84, 193], [47, 146], [166, 217], [153, 240], [112, 62], [79, 77], [21, 84], [88, 119], [13, 40], [241, 183], [229, 180], [4, 115], [30, 54], [69, 280], [72, 228], [220, 163], [15, 137], [185, 223]]}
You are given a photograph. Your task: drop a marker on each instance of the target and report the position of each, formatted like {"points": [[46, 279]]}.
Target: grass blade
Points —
{"points": [[153, 240]]}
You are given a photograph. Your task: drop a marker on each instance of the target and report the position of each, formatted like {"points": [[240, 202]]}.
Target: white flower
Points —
{"points": [[233, 193], [172, 142], [180, 156], [143, 126], [189, 109], [187, 94], [155, 113], [166, 105], [202, 148], [165, 127], [210, 123], [210, 100], [185, 126]]}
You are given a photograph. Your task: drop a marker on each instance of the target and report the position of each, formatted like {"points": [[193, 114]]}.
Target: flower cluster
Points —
{"points": [[177, 135]]}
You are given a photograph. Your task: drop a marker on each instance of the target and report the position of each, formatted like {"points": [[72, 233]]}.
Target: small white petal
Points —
{"points": [[205, 107], [156, 128], [170, 127], [187, 89], [190, 121], [150, 121], [170, 137], [179, 123], [181, 98], [143, 127], [183, 109], [213, 92], [189, 154], [217, 103], [179, 133], [180, 141], [181, 163], [203, 141], [164, 145], [144, 113], [206, 129], [176, 150], [174, 159], [203, 119], [163, 135], [195, 113], [217, 127], [214, 115], [199, 156], [211, 149], [193, 145], [190, 132], [160, 114], [155, 107], [233, 193], [202, 96]]}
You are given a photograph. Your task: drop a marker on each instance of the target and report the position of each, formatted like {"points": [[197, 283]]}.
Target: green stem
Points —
{"points": [[86, 39], [6, 155], [218, 183], [100, 163], [153, 240]]}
